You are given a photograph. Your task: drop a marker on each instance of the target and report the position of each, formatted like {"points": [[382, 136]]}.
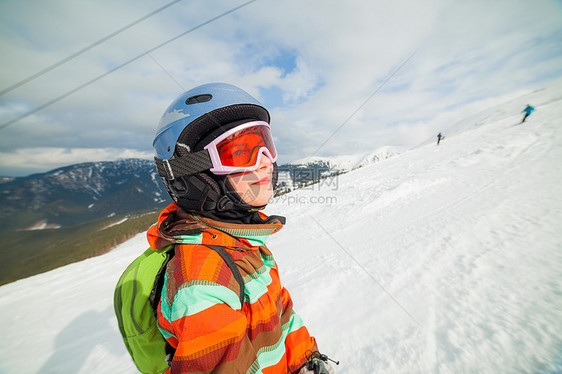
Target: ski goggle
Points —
{"points": [[240, 149]]}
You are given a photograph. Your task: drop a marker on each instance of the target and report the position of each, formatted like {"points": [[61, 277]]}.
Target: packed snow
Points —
{"points": [[442, 259]]}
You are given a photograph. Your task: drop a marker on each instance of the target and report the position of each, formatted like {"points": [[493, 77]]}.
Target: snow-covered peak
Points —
{"points": [[344, 163]]}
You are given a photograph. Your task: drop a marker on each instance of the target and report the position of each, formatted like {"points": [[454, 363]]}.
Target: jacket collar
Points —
{"points": [[178, 226]]}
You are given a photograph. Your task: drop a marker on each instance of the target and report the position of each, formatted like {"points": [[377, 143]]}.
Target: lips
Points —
{"points": [[266, 180]]}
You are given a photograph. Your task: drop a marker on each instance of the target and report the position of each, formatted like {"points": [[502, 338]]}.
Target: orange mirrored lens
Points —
{"points": [[241, 149]]}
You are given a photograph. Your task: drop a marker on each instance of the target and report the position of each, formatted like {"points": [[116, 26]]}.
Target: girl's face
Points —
{"points": [[254, 187]]}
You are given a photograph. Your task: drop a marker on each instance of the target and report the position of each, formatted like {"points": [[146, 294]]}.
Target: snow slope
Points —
{"points": [[443, 259]]}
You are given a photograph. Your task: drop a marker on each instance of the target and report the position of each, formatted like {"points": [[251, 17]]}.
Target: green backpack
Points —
{"points": [[136, 298]]}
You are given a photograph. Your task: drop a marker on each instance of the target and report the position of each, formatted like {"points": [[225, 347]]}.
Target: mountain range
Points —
{"points": [[80, 193], [86, 192]]}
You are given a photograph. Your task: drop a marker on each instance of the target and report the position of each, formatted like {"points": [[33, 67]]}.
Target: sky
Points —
{"points": [[338, 77]]}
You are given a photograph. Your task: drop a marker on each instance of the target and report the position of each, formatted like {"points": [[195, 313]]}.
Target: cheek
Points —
{"points": [[261, 194], [238, 183], [252, 194]]}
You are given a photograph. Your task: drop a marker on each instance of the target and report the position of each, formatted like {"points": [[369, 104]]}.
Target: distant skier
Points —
{"points": [[528, 110], [439, 137]]}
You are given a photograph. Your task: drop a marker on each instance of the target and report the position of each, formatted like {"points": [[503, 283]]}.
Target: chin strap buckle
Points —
{"points": [[224, 204]]}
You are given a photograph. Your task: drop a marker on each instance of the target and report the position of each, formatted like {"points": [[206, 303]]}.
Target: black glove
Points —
{"points": [[317, 363]]}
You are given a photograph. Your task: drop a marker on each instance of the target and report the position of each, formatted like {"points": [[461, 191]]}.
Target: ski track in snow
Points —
{"points": [[443, 259]]}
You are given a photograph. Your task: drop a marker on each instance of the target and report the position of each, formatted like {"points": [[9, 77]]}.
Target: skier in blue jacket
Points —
{"points": [[528, 110]]}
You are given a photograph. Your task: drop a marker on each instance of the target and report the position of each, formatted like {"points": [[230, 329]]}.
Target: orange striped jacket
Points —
{"points": [[200, 313]]}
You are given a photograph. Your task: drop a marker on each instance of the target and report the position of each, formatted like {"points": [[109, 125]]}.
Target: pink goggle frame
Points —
{"points": [[266, 140]]}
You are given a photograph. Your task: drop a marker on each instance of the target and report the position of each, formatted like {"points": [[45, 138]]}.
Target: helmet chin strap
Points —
{"points": [[231, 200]]}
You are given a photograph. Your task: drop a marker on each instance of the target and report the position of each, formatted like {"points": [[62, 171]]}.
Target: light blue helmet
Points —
{"points": [[192, 121], [220, 103]]}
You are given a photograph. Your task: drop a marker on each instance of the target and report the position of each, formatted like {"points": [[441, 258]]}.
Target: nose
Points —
{"points": [[265, 161]]}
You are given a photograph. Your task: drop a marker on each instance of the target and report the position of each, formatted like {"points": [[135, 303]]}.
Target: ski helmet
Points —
{"points": [[192, 121]]}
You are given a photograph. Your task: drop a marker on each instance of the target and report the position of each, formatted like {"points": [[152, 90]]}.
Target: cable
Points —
{"points": [[166, 71], [51, 102], [364, 103], [76, 54]]}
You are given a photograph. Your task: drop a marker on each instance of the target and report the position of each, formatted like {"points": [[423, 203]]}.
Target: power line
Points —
{"points": [[51, 102], [365, 102], [166, 71], [76, 54]]}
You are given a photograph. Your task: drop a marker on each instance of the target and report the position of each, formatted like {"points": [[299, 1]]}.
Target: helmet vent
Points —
{"points": [[199, 99]]}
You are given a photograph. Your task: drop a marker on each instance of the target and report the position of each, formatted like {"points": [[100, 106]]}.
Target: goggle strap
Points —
{"points": [[189, 164]]}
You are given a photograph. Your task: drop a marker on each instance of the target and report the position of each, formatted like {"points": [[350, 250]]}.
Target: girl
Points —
{"points": [[217, 160]]}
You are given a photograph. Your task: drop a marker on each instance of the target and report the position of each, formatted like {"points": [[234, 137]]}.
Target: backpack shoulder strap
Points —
{"points": [[156, 291], [232, 265], [156, 294]]}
